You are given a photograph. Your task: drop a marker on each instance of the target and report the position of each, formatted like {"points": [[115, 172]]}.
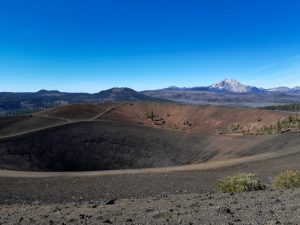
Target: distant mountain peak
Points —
{"points": [[230, 80], [121, 89], [173, 87], [122, 94], [227, 81], [226, 85], [43, 91], [230, 85]]}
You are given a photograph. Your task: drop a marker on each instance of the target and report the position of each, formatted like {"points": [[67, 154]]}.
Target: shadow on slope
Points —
{"points": [[100, 146], [128, 139]]}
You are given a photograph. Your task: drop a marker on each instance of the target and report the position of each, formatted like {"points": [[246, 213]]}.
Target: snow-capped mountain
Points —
{"points": [[227, 85], [231, 85], [234, 86]]}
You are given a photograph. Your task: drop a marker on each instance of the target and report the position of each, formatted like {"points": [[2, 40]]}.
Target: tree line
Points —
{"points": [[294, 107]]}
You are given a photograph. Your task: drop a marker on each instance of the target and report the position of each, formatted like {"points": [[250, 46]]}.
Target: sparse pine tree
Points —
{"points": [[152, 116], [279, 126]]}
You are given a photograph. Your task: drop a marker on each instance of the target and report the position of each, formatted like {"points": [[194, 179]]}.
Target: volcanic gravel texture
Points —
{"points": [[187, 197], [269, 207]]}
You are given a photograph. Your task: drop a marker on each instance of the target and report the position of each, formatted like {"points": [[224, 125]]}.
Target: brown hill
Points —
{"points": [[135, 135]]}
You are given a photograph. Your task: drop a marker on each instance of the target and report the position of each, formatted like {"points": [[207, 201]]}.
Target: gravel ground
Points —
{"points": [[61, 189], [186, 197], [268, 207]]}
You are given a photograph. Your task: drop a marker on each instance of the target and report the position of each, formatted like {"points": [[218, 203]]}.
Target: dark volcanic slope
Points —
{"points": [[12, 125], [97, 146], [75, 112], [120, 136]]}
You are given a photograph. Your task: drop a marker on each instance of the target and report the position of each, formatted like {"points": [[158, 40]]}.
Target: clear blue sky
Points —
{"points": [[91, 45]]}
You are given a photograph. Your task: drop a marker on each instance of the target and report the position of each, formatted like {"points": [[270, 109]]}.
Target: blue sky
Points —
{"points": [[91, 45]]}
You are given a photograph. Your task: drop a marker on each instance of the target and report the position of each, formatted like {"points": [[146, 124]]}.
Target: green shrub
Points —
{"points": [[151, 115], [240, 183], [287, 179]]}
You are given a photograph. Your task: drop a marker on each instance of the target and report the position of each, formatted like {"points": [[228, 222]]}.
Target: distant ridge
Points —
{"points": [[122, 94], [43, 91], [225, 92], [27, 102], [232, 86], [228, 92], [284, 89]]}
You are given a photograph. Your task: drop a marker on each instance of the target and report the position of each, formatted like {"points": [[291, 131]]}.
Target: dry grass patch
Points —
{"points": [[288, 179], [240, 183]]}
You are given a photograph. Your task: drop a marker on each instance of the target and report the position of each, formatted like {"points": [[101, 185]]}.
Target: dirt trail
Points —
{"points": [[106, 111], [66, 121]]}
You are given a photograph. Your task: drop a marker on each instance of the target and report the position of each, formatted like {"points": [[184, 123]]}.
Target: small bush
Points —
{"points": [[240, 183], [288, 179]]}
